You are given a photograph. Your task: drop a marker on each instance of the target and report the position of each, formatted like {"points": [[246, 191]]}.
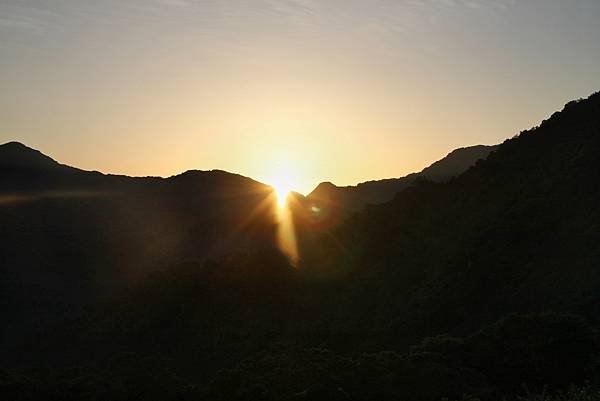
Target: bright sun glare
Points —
{"points": [[282, 190], [282, 183], [286, 235]]}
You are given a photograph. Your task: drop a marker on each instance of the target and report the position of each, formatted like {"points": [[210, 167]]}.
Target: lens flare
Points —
{"points": [[286, 234], [282, 192]]}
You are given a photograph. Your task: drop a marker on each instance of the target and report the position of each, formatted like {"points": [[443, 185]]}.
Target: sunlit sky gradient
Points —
{"points": [[336, 90]]}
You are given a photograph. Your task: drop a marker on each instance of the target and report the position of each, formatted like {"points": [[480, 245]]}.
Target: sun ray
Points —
{"points": [[282, 185], [282, 192], [286, 235]]}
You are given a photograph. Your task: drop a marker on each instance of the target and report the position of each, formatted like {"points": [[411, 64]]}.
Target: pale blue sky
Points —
{"points": [[339, 90]]}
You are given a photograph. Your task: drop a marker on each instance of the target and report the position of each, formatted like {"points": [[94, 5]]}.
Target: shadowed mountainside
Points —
{"points": [[15, 155], [70, 236], [483, 287], [354, 198]]}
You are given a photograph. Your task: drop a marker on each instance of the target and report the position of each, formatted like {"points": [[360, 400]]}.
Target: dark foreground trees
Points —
{"points": [[485, 287]]}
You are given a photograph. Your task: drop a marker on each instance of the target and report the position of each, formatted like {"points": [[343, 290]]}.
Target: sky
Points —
{"points": [[300, 90]]}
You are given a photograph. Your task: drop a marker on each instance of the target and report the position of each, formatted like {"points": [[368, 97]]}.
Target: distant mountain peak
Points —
{"points": [[16, 154], [13, 144], [356, 197], [324, 189], [457, 162], [325, 185]]}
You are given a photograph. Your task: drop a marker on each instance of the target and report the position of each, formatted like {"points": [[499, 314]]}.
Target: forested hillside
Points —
{"points": [[486, 286]]}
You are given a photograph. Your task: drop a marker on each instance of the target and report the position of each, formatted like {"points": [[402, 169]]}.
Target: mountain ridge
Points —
{"points": [[18, 155], [14, 154], [29, 163], [355, 197], [483, 285]]}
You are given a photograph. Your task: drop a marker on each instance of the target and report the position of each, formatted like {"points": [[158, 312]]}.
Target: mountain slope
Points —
{"points": [[354, 198], [16, 155], [519, 232], [483, 287], [69, 236]]}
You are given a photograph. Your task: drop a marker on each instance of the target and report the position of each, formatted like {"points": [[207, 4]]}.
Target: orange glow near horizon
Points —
{"points": [[344, 91]]}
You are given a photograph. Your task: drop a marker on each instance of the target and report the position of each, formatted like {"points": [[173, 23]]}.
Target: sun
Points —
{"points": [[282, 191], [283, 176], [282, 185], [283, 179]]}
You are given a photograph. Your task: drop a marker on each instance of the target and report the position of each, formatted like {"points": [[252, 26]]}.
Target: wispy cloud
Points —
{"points": [[25, 17]]}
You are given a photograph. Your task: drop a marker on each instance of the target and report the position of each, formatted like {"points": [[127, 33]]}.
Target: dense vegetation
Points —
{"points": [[485, 287]]}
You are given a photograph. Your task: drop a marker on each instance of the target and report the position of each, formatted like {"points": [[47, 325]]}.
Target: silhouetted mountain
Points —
{"points": [[15, 155], [70, 236], [518, 232], [354, 198], [482, 287]]}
